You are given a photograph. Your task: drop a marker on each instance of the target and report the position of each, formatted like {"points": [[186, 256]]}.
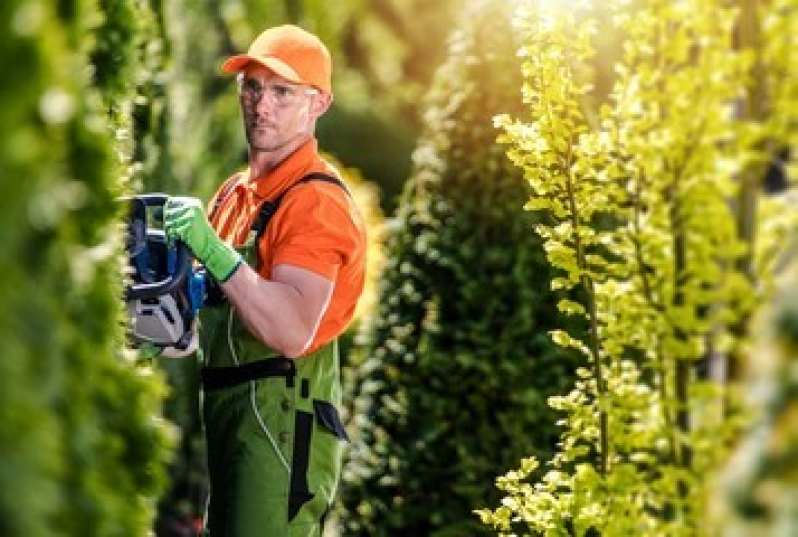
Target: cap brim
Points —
{"points": [[236, 64]]}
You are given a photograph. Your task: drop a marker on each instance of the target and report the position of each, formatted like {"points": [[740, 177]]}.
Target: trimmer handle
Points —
{"points": [[137, 240]]}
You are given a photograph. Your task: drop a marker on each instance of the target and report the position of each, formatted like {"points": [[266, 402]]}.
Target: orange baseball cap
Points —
{"points": [[290, 52]]}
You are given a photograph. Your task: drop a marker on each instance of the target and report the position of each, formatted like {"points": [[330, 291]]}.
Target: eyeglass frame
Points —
{"points": [[246, 91]]}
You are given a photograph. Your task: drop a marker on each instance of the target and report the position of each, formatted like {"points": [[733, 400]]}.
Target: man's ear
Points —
{"points": [[321, 103]]}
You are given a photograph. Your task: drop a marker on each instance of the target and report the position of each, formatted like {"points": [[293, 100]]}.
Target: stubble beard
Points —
{"points": [[271, 142], [264, 136], [259, 138]]}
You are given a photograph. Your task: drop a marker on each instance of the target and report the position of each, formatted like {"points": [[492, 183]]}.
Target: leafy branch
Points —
{"points": [[643, 222]]}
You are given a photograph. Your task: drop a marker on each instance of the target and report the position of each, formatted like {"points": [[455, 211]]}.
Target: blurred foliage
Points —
{"points": [[451, 381], [81, 440], [757, 493], [704, 100]]}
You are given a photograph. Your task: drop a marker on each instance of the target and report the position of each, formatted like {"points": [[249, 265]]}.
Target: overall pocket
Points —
{"points": [[328, 418]]}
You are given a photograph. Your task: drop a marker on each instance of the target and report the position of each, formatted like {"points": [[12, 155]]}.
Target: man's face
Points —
{"points": [[277, 113]]}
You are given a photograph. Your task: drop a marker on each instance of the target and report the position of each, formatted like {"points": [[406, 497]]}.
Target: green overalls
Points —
{"points": [[274, 436]]}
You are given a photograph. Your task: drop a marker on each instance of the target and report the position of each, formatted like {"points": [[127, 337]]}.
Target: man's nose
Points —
{"points": [[265, 103]]}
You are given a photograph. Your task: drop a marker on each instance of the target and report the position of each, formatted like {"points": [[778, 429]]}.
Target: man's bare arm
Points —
{"points": [[284, 312]]}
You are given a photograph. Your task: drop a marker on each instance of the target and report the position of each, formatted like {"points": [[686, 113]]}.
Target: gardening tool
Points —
{"points": [[164, 291]]}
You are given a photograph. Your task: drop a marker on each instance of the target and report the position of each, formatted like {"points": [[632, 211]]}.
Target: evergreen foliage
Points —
{"points": [[672, 276], [188, 114], [457, 364], [81, 441]]}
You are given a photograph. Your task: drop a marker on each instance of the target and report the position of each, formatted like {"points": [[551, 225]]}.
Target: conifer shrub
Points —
{"points": [[456, 362]]}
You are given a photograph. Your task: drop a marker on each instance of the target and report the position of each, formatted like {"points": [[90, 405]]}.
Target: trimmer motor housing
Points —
{"points": [[164, 292]]}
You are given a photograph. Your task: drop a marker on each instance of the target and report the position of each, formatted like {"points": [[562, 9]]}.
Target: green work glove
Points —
{"points": [[184, 219]]}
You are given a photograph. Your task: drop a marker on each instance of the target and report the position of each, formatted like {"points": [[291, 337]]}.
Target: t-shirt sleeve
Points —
{"points": [[314, 229]]}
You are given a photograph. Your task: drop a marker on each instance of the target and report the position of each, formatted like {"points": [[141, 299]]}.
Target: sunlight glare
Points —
{"points": [[559, 5]]}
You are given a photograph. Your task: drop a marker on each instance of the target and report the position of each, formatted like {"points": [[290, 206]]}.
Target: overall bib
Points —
{"points": [[274, 436]]}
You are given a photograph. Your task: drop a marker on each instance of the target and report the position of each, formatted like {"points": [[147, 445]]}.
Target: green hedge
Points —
{"points": [[81, 441]]}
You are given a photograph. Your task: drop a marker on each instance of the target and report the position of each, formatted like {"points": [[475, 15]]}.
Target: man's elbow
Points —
{"points": [[294, 344], [292, 352]]}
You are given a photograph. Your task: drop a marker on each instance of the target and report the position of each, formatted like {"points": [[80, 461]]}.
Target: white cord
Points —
{"points": [[252, 392], [230, 337], [265, 429]]}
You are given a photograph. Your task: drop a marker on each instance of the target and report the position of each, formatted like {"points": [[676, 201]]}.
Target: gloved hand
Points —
{"points": [[184, 219]]}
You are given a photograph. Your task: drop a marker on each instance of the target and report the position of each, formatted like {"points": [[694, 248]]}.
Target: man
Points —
{"points": [[291, 281]]}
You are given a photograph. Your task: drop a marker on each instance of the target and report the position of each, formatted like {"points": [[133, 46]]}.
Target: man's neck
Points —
{"points": [[263, 162]]}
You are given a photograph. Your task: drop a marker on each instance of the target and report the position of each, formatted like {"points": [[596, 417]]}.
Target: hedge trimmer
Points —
{"points": [[164, 291]]}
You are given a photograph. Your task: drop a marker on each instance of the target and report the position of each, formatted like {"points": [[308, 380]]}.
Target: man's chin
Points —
{"points": [[261, 143]]}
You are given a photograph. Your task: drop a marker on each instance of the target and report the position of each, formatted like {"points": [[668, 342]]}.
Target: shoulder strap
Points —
{"points": [[268, 208]]}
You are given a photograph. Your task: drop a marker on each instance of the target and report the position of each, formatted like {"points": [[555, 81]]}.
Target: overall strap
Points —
{"points": [[217, 378], [268, 208]]}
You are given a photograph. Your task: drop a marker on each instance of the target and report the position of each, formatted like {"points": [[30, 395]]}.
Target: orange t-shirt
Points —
{"points": [[317, 227]]}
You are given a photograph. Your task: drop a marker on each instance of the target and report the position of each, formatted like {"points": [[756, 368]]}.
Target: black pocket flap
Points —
{"points": [[328, 417]]}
